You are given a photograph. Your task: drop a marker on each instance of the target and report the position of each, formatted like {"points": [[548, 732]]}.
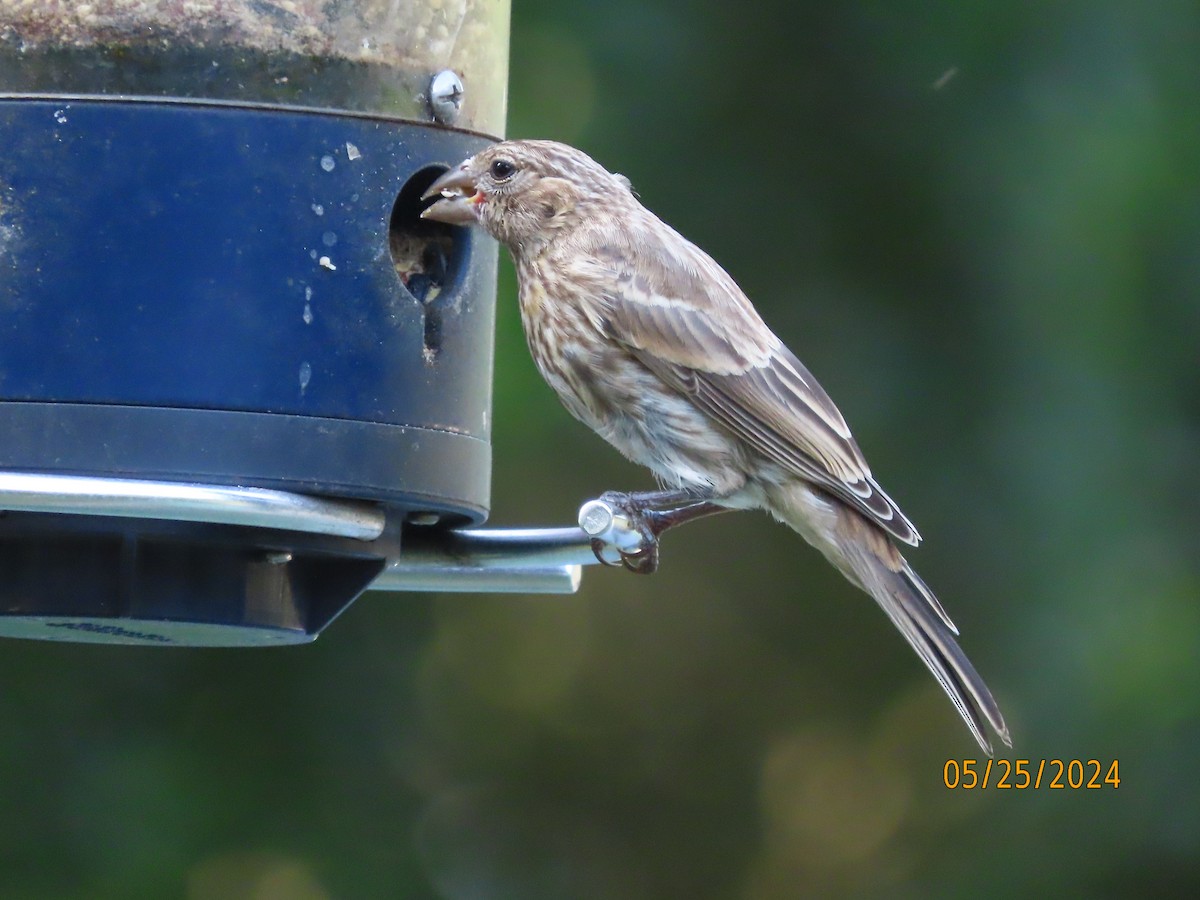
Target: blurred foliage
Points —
{"points": [[979, 224]]}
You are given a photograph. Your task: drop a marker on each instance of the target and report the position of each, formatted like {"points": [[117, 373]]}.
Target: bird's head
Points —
{"points": [[524, 192]]}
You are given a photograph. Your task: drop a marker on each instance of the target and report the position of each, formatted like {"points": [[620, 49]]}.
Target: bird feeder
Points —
{"points": [[241, 380]]}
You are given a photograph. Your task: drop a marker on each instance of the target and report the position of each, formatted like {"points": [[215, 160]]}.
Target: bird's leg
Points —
{"points": [[659, 520], [639, 501], [651, 513]]}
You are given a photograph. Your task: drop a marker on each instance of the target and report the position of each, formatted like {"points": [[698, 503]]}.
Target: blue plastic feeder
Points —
{"points": [[236, 367]]}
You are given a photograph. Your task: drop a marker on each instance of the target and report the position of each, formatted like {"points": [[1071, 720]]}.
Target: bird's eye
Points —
{"points": [[502, 169]]}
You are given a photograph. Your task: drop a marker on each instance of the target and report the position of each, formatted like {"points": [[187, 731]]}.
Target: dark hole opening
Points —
{"points": [[426, 254]]}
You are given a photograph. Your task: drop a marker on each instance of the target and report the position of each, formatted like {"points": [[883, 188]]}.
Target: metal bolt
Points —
{"points": [[445, 96], [279, 557], [600, 520], [595, 518]]}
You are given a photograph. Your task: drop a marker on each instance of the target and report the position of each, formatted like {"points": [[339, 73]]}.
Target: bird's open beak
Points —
{"points": [[460, 198]]}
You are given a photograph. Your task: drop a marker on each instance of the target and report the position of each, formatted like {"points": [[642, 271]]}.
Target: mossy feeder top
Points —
{"points": [[366, 56]]}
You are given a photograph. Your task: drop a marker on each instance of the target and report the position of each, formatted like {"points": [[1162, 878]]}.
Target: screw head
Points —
{"points": [[445, 96], [595, 518]]}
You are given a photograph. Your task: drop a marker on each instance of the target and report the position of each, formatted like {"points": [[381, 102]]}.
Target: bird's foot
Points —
{"points": [[642, 562], [630, 504], [625, 527], [623, 532]]}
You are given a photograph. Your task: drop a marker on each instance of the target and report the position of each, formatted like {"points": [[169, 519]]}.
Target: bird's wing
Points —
{"points": [[684, 318]]}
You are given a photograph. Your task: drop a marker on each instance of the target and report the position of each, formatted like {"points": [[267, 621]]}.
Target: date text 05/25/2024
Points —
{"points": [[1030, 774]]}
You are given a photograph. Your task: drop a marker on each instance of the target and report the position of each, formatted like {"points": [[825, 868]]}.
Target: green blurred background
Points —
{"points": [[979, 225]]}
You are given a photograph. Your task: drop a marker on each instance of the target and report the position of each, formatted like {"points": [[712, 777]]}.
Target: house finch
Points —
{"points": [[650, 343]]}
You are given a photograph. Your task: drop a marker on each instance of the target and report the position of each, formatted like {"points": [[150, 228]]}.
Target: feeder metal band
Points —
{"points": [[138, 499]]}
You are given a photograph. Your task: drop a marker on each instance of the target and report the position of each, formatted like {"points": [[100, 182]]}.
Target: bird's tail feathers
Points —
{"points": [[868, 558]]}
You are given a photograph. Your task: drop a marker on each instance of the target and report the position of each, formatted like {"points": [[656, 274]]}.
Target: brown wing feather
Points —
{"points": [[686, 320]]}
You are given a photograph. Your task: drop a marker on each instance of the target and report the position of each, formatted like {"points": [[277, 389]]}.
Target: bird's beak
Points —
{"points": [[460, 198]]}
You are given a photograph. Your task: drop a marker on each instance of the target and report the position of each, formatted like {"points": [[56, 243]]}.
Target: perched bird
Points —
{"points": [[650, 343]]}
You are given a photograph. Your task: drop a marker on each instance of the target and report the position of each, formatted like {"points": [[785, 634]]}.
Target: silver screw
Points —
{"points": [[595, 518], [445, 96]]}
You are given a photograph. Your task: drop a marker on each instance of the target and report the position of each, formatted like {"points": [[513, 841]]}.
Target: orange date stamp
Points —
{"points": [[1031, 774]]}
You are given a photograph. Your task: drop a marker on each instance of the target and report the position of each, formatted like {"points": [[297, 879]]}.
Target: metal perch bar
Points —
{"points": [[500, 560], [510, 560]]}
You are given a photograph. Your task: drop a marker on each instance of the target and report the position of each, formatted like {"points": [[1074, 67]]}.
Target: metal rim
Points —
{"points": [[184, 502]]}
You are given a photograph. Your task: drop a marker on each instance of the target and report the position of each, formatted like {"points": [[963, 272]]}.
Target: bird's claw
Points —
{"points": [[600, 548], [641, 555], [642, 562]]}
